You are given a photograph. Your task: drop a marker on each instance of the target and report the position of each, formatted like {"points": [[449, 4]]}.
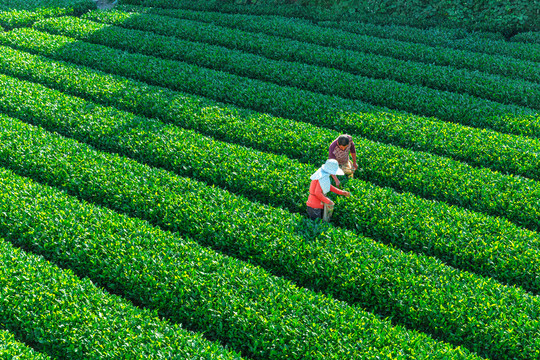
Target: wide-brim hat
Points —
{"points": [[331, 166]]}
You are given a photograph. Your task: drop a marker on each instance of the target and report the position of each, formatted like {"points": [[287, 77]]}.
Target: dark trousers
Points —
{"points": [[314, 213]]}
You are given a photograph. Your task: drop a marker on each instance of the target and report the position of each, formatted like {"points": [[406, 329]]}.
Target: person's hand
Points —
{"points": [[347, 194], [331, 204], [355, 165], [337, 183]]}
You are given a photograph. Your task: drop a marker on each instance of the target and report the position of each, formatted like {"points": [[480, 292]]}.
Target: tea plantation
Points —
{"points": [[154, 167]]}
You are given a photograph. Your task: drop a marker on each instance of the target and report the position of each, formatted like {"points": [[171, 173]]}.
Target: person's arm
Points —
{"points": [[353, 155], [339, 192], [336, 180], [355, 165]]}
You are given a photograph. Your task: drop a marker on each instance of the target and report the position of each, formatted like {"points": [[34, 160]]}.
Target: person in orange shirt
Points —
{"points": [[320, 185]]}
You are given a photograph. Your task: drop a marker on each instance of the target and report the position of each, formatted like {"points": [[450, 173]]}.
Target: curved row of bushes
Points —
{"points": [[14, 18], [496, 18], [530, 37], [258, 95], [254, 174], [413, 290], [457, 39], [460, 108], [241, 305], [513, 346], [67, 317], [338, 86], [290, 10], [11, 348], [509, 197], [505, 17], [326, 79], [303, 141], [311, 33]]}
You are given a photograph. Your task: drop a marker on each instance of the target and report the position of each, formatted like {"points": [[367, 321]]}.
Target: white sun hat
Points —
{"points": [[330, 167]]}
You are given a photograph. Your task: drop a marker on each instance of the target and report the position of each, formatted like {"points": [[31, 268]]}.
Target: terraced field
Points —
{"points": [[155, 163]]}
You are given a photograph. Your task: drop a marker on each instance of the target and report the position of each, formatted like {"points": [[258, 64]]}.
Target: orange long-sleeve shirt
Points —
{"points": [[316, 196]]}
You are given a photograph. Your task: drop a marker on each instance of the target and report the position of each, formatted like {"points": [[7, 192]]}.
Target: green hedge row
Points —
{"points": [[221, 121], [266, 177], [11, 348], [497, 19], [14, 18], [436, 178], [256, 175], [261, 96], [433, 36], [507, 16], [530, 37], [326, 79], [40, 4], [70, 318], [457, 39], [506, 153], [425, 174], [240, 305], [289, 10], [311, 33], [418, 291]]}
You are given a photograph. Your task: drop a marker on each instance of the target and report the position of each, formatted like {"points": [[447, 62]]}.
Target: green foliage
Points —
{"points": [[459, 39], [203, 288], [263, 96], [522, 211], [279, 135], [10, 348], [531, 37], [306, 32], [425, 174], [448, 106], [69, 318], [42, 4], [326, 80], [115, 135], [241, 305], [26, 13], [477, 189], [504, 16]]}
